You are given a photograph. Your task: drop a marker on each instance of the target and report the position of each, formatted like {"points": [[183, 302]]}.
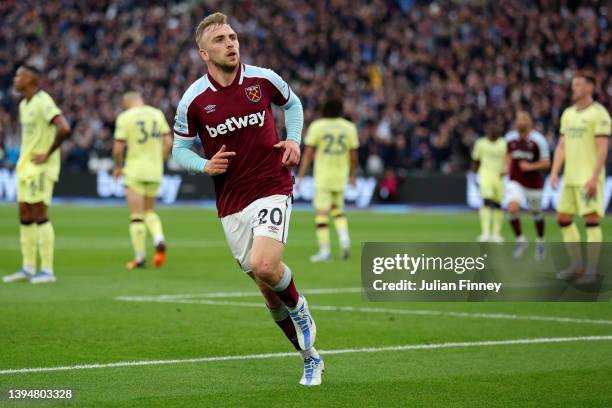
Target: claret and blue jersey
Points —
{"points": [[239, 116]]}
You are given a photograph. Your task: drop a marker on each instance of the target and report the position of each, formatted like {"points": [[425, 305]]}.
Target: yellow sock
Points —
{"points": [[594, 233], [498, 219], [46, 245], [323, 232], [154, 225], [594, 238], [570, 233], [571, 237], [485, 220], [341, 224], [138, 234], [28, 237]]}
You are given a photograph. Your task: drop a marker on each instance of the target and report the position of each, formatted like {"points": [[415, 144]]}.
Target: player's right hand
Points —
{"points": [[554, 181], [590, 188], [219, 163], [117, 172]]}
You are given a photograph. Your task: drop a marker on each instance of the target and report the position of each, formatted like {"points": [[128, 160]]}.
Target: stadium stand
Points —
{"points": [[420, 78]]}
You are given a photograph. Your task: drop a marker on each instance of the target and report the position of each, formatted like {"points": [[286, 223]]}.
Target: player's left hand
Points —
{"points": [[524, 165], [40, 158], [590, 188], [291, 155]]}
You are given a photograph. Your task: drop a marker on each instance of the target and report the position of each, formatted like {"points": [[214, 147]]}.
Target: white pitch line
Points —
{"points": [[322, 291], [326, 352], [69, 243], [416, 312]]}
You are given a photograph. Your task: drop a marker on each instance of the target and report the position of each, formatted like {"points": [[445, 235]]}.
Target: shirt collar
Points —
{"points": [[237, 79]]}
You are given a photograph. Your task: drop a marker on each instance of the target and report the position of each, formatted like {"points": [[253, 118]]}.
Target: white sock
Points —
{"points": [[343, 237], [345, 241], [29, 269]]}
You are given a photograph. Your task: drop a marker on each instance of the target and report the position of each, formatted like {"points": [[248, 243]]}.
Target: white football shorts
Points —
{"points": [[265, 217], [530, 197]]}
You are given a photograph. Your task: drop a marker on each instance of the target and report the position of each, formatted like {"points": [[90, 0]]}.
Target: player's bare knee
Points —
{"points": [[514, 208], [591, 219], [265, 269], [39, 213], [25, 214], [564, 219]]}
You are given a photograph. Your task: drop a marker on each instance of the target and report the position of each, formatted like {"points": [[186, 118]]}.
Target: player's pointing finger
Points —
{"points": [[226, 154]]}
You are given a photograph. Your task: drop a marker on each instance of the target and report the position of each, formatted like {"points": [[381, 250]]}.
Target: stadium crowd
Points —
{"points": [[421, 79]]}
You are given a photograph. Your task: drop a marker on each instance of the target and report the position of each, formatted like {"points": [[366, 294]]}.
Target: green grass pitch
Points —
{"points": [[79, 321]]}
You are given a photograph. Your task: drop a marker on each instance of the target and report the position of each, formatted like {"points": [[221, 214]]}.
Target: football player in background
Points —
{"points": [[489, 157], [332, 143], [528, 155], [145, 132], [582, 150], [44, 128]]}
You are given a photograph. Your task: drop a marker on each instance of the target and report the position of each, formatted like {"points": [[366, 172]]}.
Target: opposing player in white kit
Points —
{"points": [[528, 156], [229, 108]]}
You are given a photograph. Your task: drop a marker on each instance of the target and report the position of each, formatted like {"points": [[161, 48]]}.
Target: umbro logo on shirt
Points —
{"points": [[210, 108], [233, 123]]}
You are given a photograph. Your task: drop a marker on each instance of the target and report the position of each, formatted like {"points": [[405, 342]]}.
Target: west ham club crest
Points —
{"points": [[253, 93]]}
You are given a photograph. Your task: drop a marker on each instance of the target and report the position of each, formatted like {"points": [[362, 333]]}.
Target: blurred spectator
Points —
{"points": [[428, 73], [374, 164], [387, 188]]}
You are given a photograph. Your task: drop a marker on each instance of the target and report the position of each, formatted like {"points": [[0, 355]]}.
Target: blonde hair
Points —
{"points": [[210, 20]]}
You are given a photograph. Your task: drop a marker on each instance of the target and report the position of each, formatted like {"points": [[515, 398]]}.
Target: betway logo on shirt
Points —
{"points": [[522, 155], [233, 123]]}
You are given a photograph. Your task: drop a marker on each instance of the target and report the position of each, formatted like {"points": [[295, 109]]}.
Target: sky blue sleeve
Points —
{"points": [[185, 157], [294, 118]]}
